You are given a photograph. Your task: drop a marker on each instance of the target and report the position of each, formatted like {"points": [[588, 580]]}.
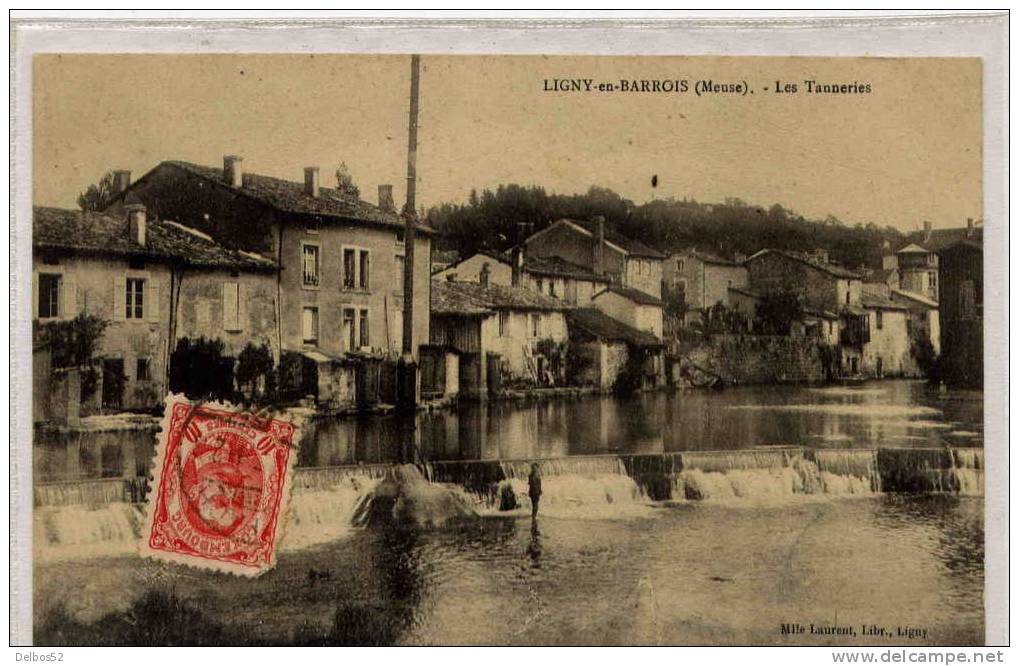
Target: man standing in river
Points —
{"points": [[534, 488]]}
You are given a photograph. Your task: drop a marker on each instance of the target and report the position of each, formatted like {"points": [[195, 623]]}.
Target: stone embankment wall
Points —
{"points": [[757, 359]]}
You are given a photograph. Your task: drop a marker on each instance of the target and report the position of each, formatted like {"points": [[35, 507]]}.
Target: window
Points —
{"points": [[504, 316], [135, 298], [551, 288], [49, 295], [399, 237], [879, 319], [348, 331], [363, 270], [349, 269], [363, 329], [680, 265], [541, 285], [932, 279], [535, 325], [847, 298], [309, 322], [232, 306], [311, 265], [143, 369]]}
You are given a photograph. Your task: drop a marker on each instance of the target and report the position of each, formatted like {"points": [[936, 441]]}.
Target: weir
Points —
{"points": [[104, 517]]}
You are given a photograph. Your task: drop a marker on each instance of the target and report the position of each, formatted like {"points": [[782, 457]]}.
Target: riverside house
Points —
{"points": [[154, 282], [962, 312], [504, 334], [701, 280], [340, 289], [917, 261], [552, 276], [604, 253]]}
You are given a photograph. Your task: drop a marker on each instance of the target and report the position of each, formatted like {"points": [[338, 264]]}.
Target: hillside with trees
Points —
{"points": [[491, 221]]}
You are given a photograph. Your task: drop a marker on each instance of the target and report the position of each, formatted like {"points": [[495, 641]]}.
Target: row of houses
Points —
{"points": [[877, 325], [230, 266]]}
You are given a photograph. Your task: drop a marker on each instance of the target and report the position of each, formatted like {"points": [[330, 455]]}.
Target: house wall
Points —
{"points": [[383, 298], [643, 317], [889, 343], [706, 283], [570, 290], [469, 270], [577, 247], [774, 272], [644, 274], [96, 286], [517, 341], [923, 281], [203, 301], [961, 307]]}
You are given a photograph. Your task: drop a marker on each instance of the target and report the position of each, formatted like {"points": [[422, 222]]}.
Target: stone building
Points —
{"points": [[886, 352], [822, 285], [552, 276], [961, 302], [700, 279], [917, 260], [603, 349], [520, 330], [154, 282], [603, 252], [341, 288], [631, 307]]}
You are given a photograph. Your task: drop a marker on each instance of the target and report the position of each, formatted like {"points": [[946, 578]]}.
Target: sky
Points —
{"points": [[908, 151]]}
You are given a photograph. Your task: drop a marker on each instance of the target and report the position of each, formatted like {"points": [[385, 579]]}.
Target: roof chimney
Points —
{"points": [[136, 222], [969, 226], [233, 173], [311, 181], [386, 198], [518, 265], [121, 180], [483, 275], [598, 257]]}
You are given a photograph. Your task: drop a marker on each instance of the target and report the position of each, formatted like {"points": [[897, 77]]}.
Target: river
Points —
{"points": [[789, 530]]}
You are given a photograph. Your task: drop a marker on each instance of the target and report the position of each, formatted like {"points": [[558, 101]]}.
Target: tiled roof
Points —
{"points": [[918, 298], [597, 324], [636, 248], [937, 239], [557, 266], [972, 243], [706, 257], [912, 248], [96, 233], [470, 298], [289, 196], [831, 269], [875, 300], [635, 295]]}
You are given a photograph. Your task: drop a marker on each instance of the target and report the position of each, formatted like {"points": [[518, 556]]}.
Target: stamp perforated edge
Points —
{"points": [[156, 468]]}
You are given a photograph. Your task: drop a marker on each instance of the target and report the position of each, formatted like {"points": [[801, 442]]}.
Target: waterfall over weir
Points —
{"points": [[104, 517]]}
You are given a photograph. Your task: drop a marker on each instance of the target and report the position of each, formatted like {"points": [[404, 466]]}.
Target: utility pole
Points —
{"points": [[407, 368]]}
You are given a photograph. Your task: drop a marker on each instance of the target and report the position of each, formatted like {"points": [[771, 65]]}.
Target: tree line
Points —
{"points": [[496, 220]]}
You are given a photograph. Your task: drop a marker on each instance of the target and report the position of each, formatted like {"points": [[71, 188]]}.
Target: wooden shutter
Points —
{"points": [[151, 300], [119, 297], [230, 306], [68, 296], [242, 307]]}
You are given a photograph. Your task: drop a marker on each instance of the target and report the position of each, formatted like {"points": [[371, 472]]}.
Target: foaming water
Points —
{"points": [[78, 532]]}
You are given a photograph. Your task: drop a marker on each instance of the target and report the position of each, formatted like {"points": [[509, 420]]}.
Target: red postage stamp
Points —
{"points": [[222, 482]]}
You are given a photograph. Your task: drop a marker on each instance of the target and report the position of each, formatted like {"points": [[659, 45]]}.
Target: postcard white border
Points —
{"points": [[983, 35]]}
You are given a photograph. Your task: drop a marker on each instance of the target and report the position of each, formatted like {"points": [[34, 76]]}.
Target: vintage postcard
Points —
{"points": [[586, 350]]}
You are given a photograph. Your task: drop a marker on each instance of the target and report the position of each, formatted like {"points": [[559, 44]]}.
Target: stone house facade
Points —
{"points": [[341, 288], [590, 245], [701, 280], [149, 280], [823, 286], [632, 307]]}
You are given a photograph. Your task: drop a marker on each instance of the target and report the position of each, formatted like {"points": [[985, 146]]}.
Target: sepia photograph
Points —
{"points": [[411, 349]]}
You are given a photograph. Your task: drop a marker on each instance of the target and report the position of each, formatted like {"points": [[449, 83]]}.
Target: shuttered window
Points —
{"points": [[135, 299], [49, 295]]}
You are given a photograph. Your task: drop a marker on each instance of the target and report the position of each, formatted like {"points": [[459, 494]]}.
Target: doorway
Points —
{"points": [[113, 383]]}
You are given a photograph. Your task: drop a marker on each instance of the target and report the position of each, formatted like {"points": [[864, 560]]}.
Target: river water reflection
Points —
{"points": [[875, 414]]}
